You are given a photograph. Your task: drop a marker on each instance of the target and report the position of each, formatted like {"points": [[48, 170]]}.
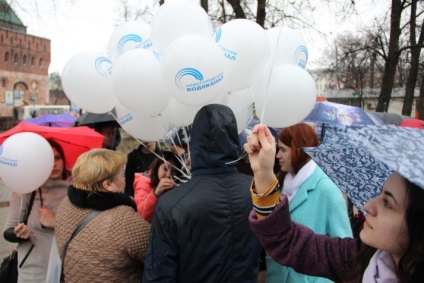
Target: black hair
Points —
{"points": [[411, 264]]}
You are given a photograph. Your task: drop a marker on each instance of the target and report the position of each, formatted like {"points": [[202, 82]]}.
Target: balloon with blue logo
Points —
{"points": [[86, 80], [26, 162], [127, 36], [246, 49], [192, 68], [138, 84], [287, 46], [140, 126], [286, 98], [175, 19]]}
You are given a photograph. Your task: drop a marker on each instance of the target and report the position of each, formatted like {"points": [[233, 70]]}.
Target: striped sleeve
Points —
{"points": [[265, 203]]}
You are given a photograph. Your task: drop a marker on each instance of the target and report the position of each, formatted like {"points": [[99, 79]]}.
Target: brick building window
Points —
{"points": [[16, 59], [32, 61], [24, 60], [6, 57], [3, 82], [40, 63]]}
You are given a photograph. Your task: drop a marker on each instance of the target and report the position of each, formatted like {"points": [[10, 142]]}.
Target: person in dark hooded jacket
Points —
{"points": [[200, 230]]}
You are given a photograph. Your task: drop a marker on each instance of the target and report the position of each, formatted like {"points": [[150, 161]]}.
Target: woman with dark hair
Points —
{"points": [[149, 186], [391, 244], [315, 201], [35, 237]]}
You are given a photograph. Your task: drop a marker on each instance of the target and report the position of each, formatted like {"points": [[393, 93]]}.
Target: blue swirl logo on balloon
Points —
{"points": [[127, 38], [301, 56], [103, 66], [187, 72], [7, 161], [196, 86], [218, 34]]}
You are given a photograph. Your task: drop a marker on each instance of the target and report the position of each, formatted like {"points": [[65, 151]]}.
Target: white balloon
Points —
{"points": [[26, 162], [192, 68], [127, 36], [240, 102], [181, 114], [289, 97], [178, 18], [246, 48], [287, 46], [138, 83], [147, 128], [86, 80]]}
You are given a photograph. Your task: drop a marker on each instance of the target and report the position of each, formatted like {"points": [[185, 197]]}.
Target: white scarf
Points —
{"points": [[293, 182], [381, 269]]}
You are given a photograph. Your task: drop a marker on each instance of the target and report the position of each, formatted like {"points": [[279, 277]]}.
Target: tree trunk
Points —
{"points": [[420, 101], [238, 10], [261, 13], [415, 59], [392, 58]]}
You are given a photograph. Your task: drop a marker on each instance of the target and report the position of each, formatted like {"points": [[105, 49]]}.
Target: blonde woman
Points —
{"points": [[113, 245]]}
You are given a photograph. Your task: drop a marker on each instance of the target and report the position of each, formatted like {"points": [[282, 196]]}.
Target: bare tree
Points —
{"points": [[415, 49]]}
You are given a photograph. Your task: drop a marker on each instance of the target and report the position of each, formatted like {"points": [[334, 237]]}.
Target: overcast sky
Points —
{"points": [[86, 25]]}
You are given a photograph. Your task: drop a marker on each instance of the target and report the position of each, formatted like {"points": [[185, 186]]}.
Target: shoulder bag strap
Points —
{"points": [[76, 231], [31, 202]]}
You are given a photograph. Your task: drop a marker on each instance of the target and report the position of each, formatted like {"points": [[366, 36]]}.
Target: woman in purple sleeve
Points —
{"points": [[391, 245]]}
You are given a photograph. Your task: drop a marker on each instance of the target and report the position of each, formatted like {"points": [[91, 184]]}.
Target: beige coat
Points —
{"points": [[110, 248]]}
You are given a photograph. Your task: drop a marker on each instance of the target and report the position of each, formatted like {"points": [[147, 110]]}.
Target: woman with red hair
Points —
{"points": [[315, 201]]}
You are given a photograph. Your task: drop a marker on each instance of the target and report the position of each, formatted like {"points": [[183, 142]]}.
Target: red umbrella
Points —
{"points": [[74, 141], [412, 123]]}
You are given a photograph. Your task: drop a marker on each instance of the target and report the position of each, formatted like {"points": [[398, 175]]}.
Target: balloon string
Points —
{"points": [[244, 154], [269, 77], [157, 155]]}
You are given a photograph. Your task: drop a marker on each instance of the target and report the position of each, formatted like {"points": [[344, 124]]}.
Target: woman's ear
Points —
{"points": [[106, 185]]}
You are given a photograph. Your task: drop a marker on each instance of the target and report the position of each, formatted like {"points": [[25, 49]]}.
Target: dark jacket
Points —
{"points": [[138, 162], [200, 230]]}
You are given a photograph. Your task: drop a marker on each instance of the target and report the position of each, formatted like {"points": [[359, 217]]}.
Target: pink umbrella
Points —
{"points": [[74, 140]]}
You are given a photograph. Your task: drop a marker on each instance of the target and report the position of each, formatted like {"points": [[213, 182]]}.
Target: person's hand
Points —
{"points": [[47, 218], [164, 185], [261, 149], [22, 231]]}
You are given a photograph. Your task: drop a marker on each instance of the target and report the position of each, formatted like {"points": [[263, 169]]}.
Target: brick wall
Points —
{"points": [[24, 64]]}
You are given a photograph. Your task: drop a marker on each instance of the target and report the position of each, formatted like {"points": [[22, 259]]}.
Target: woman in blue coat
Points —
{"points": [[315, 201]]}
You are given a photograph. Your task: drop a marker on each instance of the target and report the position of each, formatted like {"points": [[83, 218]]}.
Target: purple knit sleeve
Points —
{"points": [[297, 246]]}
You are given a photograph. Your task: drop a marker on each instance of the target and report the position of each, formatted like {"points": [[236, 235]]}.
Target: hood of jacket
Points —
{"points": [[214, 138]]}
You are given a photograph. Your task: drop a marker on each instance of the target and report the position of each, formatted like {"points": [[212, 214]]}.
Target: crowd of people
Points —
{"points": [[190, 215]]}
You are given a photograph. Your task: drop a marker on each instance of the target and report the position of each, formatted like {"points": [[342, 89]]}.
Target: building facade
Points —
{"points": [[24, 64]]}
